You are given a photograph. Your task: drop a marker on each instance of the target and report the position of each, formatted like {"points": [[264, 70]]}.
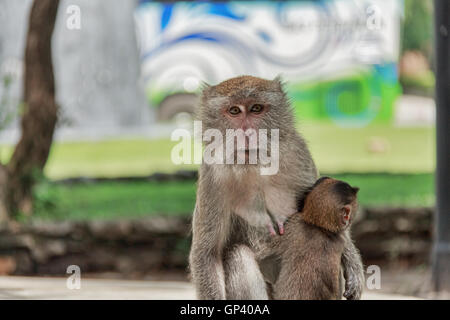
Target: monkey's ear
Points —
{"points": [[355, 190], [347, 214], [206, 89], [204, 85], [277, 83]]}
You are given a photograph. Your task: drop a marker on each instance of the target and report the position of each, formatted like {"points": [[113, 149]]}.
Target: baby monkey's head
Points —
{"points": [[330, 204]]}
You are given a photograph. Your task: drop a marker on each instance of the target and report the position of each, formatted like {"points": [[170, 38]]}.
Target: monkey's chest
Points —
{"points": [[280, 202], [260, 208], [252, 208]]}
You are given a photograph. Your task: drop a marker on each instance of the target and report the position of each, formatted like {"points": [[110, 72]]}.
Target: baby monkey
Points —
{"points": [[313, 243]]}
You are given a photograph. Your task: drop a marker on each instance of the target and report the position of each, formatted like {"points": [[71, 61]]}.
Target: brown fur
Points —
{"points": [[323, 205], [231, 86], [311, 250]]}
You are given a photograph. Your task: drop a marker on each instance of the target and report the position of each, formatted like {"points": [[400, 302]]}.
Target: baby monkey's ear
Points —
{"points": [[346, 214], [355, 189]]}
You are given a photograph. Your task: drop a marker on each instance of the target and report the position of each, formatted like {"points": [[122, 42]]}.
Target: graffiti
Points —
{"points": [[309, 42]]}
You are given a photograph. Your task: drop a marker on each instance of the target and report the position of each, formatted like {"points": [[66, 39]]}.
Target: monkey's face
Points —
{"points": [[246, 103]]}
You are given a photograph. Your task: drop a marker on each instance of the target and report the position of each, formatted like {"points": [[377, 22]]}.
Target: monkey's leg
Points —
{"points": [[243, 278], [205, 259], [353, 270]]}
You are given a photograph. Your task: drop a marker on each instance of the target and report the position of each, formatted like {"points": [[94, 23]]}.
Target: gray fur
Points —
{"points": [[233, 201]]}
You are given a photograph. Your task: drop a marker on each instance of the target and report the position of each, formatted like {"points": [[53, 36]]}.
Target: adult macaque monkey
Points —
{"points": [[238, 209]]}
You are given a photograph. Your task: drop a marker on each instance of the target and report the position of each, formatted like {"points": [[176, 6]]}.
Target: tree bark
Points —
{"points": [[39, 120], [3, 182]]}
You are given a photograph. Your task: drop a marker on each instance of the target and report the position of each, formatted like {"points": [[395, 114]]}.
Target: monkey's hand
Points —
{"points": [[353, 271]]}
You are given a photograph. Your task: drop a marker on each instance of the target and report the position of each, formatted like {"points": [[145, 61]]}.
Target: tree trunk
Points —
{"points": [[39, 120], [3, 183]]}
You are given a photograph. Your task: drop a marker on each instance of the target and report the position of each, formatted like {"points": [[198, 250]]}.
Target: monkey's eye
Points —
{"points": [[234, 110], [256, 108]]}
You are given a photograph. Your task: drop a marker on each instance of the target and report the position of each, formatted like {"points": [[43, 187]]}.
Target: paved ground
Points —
{"points": [[56, 288]]}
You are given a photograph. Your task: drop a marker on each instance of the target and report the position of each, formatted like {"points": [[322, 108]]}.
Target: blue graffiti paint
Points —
{"points": [[222, 9], [166, 15], [203, 36], [264, 36]]}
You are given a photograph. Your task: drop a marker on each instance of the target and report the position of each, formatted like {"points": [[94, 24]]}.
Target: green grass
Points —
{"points": [[114, 158], [111, 158], [111, 200], [393, 190], [408, 150]]}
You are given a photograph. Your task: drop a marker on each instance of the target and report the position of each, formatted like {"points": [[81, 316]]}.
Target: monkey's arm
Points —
{"points": [[205, 258], [353, 270]]}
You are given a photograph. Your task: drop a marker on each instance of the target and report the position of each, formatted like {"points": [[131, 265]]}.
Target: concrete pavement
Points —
{"points": [[12, 287]]}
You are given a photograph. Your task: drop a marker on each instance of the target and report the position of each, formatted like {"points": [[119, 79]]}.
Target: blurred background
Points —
{"points": [[126, 74]]}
